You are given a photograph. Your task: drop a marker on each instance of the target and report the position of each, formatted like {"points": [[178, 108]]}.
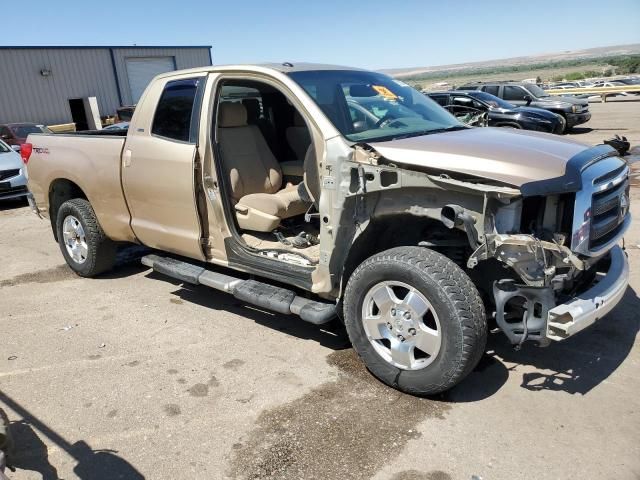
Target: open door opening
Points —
{"points": [[79, 114], [266, 144]]}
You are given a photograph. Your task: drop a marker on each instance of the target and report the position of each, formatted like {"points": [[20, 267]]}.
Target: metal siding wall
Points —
{"points": [[25, 95], [184, 58]]}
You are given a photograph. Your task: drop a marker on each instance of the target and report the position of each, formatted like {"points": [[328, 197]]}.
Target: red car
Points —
{"points": [[16, 133]]}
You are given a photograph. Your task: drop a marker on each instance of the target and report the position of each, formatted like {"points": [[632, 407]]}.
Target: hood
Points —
{"points": [[509, 156], [10, 160], [561, 99]]}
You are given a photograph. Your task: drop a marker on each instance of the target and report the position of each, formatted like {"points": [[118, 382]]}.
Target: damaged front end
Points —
{"points": [[569, 270], [545, 253]]}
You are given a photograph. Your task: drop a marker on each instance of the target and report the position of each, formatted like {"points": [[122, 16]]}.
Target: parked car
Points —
{"points": [[17, 133], [13, 174], [629, 81], [574, 110], [117, 126], [500, 112], [395, 227], [367, 112]]}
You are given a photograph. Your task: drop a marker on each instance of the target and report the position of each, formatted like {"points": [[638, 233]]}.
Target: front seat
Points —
{"points": [[254, 174], [298, 136]]}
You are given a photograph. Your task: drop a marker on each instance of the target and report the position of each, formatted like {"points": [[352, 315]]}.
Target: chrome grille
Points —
{"points": [[608, 211], [601, 207]]}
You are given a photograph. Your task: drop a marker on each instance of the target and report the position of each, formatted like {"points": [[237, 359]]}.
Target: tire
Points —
{"points": [[565, 129], [98, 253], [456, 310]]}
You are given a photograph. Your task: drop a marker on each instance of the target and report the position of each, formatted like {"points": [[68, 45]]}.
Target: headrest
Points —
{"points": [[298, 121], [253, 109], [232, 114]]}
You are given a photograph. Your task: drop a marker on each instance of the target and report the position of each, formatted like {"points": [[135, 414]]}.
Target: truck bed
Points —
{"points": [[91, 162]]}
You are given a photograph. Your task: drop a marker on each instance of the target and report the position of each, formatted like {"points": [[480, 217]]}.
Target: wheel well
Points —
{"points": [[560, 112], [404, 230], [60, 191]]}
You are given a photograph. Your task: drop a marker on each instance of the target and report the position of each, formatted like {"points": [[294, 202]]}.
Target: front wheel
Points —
{"points": [[416, 319], [84, 245]]}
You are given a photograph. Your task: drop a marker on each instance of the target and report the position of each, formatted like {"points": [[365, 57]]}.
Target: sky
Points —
{"points": [[368, 33]]}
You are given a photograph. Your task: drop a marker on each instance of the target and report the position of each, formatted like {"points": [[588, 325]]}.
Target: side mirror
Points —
{"points": [[528, 99], [15, 148]]}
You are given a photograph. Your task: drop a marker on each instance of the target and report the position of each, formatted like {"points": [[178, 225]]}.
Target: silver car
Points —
{"points": [[13, 173]]}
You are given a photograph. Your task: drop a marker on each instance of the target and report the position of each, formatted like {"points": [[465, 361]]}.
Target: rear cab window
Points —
{"points": [[177, 112]]}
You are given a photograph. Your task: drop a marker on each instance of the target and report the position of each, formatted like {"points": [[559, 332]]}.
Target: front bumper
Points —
{"points": [[543, 320], [574, 119], [585, 309]]}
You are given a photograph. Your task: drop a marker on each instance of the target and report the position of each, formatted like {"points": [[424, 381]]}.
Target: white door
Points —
{"points": [[140, 71]]}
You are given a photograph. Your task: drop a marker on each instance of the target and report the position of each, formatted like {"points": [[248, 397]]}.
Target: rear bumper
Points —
{"points": [[582, 311]]}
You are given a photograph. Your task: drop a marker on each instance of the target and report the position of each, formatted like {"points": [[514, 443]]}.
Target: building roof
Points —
{"points": [[90, 47]]}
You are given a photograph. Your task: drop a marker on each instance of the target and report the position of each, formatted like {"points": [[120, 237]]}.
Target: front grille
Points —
{"points": [[9, 173], [609, 208], [601, 207]]}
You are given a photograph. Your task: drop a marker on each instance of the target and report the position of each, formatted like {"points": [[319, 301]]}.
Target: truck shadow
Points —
{"points": [[331, 335], [576, 365], [580, 363], [13, 204]]}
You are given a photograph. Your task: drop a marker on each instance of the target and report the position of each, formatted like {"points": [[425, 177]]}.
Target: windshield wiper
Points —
{"points": [[418, 133], [429, 132]]}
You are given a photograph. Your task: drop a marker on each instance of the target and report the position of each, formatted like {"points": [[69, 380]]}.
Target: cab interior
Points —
{"points": [[265, 147]]}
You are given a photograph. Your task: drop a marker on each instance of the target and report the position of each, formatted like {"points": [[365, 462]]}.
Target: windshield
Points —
{"points": [[535, 90], [4, 148], [369, 106], [23, 131], [491, 99]]}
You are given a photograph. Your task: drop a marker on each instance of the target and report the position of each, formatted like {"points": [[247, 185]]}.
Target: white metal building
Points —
{"points": [[40, 84]]}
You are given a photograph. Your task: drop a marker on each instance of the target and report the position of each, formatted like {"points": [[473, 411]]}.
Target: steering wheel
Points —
{"points": [[384, 121], [388, 121]]}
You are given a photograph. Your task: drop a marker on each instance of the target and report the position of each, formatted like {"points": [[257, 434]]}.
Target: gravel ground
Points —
{"points": [[134, 376]]}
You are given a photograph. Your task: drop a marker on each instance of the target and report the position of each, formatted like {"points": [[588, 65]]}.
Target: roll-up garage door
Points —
{"points": [[141, 70]]}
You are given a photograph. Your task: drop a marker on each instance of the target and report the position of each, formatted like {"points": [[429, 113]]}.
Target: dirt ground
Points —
{"points": [[134, 376]]}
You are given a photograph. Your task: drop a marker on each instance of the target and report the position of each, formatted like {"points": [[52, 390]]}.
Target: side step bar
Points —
{"points": [[254, 292]]}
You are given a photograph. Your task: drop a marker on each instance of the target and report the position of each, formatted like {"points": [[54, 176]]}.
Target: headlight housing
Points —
{"points": [[575, 108]]}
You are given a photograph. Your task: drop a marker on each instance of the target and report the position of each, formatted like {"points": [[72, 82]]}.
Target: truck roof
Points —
{"points": [[284, 67]]}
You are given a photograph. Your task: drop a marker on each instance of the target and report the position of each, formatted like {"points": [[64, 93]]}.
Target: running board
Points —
{"points": [[257, 293]]}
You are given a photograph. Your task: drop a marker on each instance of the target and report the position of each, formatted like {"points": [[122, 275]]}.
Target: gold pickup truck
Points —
{"points": [[324, 191]]}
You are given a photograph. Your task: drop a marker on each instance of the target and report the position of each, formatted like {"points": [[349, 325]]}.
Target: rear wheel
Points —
{"points": [[85, 247], [416, 319]]}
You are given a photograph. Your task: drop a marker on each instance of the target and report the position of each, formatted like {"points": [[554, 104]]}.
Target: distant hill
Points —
{"points": [[568, 55]]}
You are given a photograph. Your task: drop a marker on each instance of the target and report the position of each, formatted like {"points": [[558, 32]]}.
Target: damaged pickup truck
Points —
{"points": [[325, 191]]}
